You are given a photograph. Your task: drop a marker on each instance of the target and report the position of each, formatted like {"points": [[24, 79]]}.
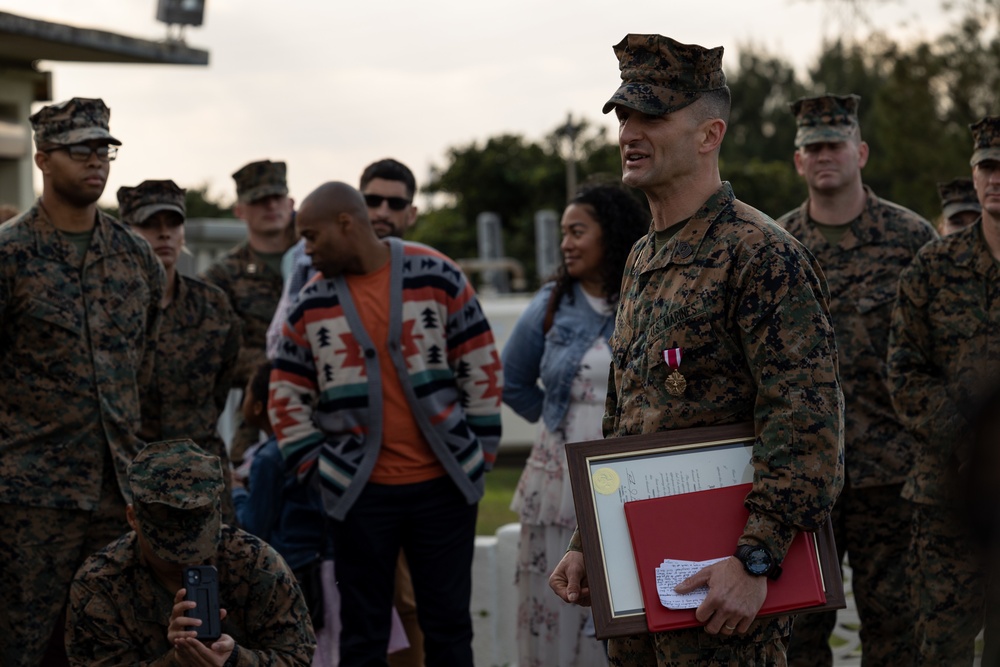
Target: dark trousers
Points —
{"points": [[435, 527], [872, 525], [40, 551]]}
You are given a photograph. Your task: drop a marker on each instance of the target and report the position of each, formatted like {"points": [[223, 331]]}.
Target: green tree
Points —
{"points": [[512, 177], [756, 155], [200, 204]]}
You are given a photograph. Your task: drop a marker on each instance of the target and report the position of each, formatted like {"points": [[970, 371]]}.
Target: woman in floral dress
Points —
{"points": [[556, 366]]}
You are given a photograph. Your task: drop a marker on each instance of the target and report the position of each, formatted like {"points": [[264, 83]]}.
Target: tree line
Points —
{"points": [[918, 99]]}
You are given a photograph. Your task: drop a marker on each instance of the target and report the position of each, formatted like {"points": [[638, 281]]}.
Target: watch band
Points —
{"points": [[758, 561]]}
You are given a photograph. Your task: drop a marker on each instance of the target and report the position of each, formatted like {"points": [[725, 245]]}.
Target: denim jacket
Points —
{"points": [[553, 358]]}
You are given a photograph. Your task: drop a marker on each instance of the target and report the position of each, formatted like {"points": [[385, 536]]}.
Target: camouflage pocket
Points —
{"points": [[64, 317]]}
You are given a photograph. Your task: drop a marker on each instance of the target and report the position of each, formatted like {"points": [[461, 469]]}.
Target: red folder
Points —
{"points": [[705, 525]]}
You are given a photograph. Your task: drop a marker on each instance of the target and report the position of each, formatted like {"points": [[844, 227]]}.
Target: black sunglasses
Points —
{"points": [[395, 203]]}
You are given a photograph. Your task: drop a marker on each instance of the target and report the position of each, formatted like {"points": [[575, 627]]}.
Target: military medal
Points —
{"points": [[676, 384]]}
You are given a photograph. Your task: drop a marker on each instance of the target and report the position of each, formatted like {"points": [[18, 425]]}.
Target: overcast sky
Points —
{"points": [[331, 85]]}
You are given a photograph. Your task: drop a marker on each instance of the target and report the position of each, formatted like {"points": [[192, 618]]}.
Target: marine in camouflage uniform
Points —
{"points": [[124, 598], [199, 333], [78, 320], [943, 358], [862, 243], [959, 205], [250, 273], [746, 306]]}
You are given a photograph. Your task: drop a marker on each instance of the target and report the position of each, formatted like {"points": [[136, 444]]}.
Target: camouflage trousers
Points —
{"points": [[872, 525], [40, 549], [949, 584], [763, 646]]}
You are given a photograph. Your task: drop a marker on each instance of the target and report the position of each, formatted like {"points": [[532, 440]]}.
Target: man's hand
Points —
{"points": [[569, 579], [189, 649], [196, 654], [734, 596]]}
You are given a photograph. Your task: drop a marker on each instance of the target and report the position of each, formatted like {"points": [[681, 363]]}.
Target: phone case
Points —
{"points": [[202, 585]]}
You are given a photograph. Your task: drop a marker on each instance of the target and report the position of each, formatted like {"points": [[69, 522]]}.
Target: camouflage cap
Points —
{"points": [[827, 118], [660, 75], [72, 122], [136, 205], [986, 138], [176, 495], [958, 195], [260, 179]]}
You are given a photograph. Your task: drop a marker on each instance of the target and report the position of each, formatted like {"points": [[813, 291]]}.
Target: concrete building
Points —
{"points": [[24, 43]]}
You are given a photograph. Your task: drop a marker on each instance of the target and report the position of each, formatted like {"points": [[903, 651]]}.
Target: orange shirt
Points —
{"points": [[405, 458]]}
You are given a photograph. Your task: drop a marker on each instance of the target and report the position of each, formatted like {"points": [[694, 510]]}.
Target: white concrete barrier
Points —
{"points": [[494, 598]]}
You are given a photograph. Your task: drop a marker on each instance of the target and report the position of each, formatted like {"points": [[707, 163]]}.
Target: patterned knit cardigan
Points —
{"points": [[442, 348]]}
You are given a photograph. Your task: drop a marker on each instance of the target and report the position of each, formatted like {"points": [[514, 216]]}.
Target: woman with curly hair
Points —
{"points": [[556, 368]]}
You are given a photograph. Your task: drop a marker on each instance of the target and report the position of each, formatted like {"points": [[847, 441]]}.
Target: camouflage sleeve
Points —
{"points": [[157, 286], [96, 635], [230, 355], [789, 343], [217, 275], [611, 400], [280, 619], [610, 405], [917, 386]]}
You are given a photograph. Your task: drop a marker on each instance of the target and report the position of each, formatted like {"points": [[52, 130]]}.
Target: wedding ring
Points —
{"points": [[730, 627]]}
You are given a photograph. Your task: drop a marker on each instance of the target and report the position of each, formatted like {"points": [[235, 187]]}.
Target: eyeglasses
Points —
{"points": [[395, 203], [82, 152]]}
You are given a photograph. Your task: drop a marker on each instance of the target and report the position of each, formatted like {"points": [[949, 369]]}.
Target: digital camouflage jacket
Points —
{"points": [[75, 346], [747, 307], [862, 272], [944, 354], [254, 290], [119, 612], [195, 360]]}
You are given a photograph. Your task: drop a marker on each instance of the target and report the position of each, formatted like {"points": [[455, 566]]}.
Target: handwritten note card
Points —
{"points": [[670, 573]]}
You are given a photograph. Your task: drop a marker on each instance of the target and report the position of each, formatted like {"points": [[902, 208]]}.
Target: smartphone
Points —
{"points": [[202, 585]]}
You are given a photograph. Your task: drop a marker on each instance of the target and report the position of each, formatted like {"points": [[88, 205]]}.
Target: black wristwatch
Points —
{"points": [[758, 561]]}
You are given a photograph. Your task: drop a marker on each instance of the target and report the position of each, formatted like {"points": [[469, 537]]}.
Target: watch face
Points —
{"points": [[758, 561]]}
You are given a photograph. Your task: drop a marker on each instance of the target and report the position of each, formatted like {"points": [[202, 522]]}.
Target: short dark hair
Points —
{"points": [[623, 221], [390, 170], [716, 104], [260, 383]]}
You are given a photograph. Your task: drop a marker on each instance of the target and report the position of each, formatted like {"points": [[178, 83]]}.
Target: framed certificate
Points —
{"points": [[605, 474]]}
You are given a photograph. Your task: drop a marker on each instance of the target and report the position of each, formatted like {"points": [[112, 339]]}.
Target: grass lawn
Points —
{"points": [[494, 508]]}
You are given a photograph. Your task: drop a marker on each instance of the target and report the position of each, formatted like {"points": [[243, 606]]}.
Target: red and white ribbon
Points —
{"points": [[673, 357]]}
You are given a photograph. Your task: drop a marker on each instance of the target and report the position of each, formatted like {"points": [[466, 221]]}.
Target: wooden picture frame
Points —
{"points": [[605, 474]]}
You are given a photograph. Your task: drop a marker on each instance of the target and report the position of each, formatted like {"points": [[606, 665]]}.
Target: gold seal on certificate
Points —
{"points": [[606, 481]]}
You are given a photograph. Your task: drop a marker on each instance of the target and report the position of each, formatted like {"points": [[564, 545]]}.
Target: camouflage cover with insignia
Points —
{"points": [[862, 273], [119, 612], [74, 121], [943, 355], [75, 346], [660, 75], [825, 119], [254, 290]]}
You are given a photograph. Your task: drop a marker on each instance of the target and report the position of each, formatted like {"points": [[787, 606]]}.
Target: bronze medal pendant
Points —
{"points": [[676, 384]]}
